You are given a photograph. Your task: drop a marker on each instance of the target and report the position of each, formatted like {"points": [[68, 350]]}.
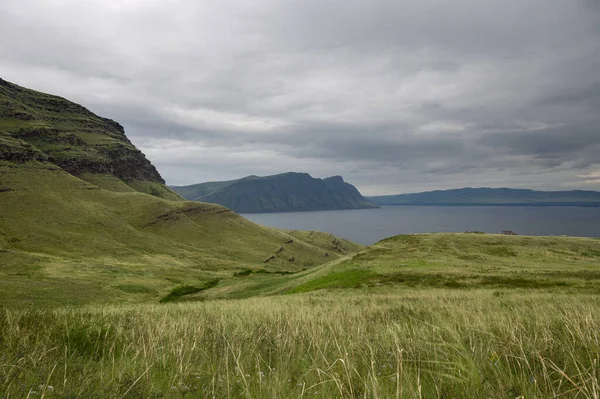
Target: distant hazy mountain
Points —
{"points": [[278, 193], [493, 196]]}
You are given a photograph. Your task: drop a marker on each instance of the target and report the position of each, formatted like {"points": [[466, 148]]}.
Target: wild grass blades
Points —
{"points": [[376, 343]]}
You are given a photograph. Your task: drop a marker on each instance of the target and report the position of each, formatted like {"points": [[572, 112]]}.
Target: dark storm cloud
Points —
{"points": [[396, 96], [557, 141]]}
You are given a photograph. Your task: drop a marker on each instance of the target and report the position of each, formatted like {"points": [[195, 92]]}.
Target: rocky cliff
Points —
{"points": [[40, 126], [279, 193]]}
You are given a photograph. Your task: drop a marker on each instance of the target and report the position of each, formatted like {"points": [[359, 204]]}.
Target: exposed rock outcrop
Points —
{"points": [[43, 127], [279, 193]]}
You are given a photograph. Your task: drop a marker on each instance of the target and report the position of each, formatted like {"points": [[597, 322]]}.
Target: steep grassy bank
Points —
{"points": [[67, 241], [77, 224], [374, 343]]}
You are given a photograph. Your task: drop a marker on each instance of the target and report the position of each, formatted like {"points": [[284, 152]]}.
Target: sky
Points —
{"points": [[396, 96]]}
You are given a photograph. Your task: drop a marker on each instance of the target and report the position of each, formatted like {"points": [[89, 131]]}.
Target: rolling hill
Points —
{"points": [[492, 196], [414, 316], [278, 193], [77, 224], [441, 261]]}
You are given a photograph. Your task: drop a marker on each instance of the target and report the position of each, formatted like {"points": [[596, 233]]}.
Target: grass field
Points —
{"points": [[374, 343], [424, 316]]}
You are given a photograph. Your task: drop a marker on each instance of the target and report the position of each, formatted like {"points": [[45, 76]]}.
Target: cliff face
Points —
{"points": [[279, 193], [43, 126]]}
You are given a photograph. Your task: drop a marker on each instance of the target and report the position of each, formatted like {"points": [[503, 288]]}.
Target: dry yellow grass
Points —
{"points": [[376, 343]]}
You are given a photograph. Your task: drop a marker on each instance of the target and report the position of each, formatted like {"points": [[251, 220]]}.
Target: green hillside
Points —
{"points": [[464, 261], [444, 260], [285, 192], [76, 224], [418, 316]]}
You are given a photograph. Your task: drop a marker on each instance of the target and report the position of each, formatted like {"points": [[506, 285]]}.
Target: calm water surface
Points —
{"points": [[367, 226]]}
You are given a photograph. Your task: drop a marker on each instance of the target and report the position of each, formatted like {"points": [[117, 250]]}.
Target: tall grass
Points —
{"points": [[428, 343]]}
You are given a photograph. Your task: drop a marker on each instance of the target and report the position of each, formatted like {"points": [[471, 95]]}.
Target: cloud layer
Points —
{"points": [[396, 96]]}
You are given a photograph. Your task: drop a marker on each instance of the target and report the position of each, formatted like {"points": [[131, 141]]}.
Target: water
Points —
{"points": [[367, 226]]}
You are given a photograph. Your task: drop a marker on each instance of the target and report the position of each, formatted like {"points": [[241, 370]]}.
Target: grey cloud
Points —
{"points": [[547, 141], [553, 143], [396, 96], [451, 169], [585, 97]]}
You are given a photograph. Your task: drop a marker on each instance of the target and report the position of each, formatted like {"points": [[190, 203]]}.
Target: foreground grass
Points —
{"points": [[378, 343]]}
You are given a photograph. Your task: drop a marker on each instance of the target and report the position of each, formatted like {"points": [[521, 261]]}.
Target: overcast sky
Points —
{"points": [[394, 95]]}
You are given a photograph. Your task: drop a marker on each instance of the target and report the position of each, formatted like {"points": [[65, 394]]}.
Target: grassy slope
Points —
{"points": [[96, 237], [457, 260], [379, 342], [469, 261], [423, 316], [64, 240]]}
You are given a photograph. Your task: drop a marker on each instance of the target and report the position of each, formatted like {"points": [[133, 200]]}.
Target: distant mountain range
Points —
{"points": [[278, 193], [492, 196]]}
